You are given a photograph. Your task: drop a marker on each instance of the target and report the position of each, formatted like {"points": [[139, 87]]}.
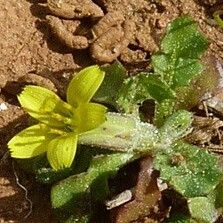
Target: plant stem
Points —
{"points": [[123, 133]]}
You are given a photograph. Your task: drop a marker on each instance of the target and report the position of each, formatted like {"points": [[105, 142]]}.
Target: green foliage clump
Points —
{"points": [[176, 67]]}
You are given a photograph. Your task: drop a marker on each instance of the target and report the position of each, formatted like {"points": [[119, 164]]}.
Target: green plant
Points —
{"points": [[108, 141], [176, 66]]}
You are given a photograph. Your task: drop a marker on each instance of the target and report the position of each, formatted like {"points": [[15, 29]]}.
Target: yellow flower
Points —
{"points": [[60, 123]]}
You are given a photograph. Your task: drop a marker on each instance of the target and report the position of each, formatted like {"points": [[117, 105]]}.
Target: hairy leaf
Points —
{"points": [[113, 81], [202, 209], [183, 39], [123, 133], [163, 110], [143, 86], [132, 94], [76, 190], [191, 171], [156, 88], [178, 63], [175, 127]]}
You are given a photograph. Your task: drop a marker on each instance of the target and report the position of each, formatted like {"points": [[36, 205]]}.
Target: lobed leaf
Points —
{"points": [[163, 110], [191, 171], [176, 72], [183, 39], [177, 64], [138, 88], [185, 70], [156, 88]]}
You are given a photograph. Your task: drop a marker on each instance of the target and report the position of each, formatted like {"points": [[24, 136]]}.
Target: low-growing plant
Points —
{"points": [[108, 141]]}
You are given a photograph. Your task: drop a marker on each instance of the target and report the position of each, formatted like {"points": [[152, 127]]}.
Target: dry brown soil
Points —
{"points": [[31, 53]]}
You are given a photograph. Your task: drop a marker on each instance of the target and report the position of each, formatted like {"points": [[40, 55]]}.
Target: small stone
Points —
{"points": [[3, 106]]}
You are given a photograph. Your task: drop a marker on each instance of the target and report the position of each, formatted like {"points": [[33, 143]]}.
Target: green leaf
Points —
{"points": [[156, 88], [31, 142], [132, 94], [219, 195], [191, 171], [45, 174], [176, 127], [185, 70], [162, 66], [113, 81], [163, 110], [74, 193], [138, 88], [50, 176], [176, 72], [183, 39], [61, 151], [202, 209], [206, 82], [177, 64], [84, 85]]}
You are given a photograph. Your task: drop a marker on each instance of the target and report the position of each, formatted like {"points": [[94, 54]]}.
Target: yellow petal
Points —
{"points": [[84, 85], [45, 105], [88, 116], [30, 142], [61, 151]]}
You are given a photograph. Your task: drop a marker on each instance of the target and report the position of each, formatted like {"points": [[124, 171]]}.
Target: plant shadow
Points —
{"points": [[14, 206]]}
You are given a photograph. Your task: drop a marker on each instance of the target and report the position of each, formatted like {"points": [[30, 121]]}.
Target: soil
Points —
{"points": [[32, 51]]}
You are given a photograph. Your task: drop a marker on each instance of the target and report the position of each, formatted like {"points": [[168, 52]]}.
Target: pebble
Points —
{"points": [[3, 106]]}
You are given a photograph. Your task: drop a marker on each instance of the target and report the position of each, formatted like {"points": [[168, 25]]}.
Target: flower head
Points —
{"points": [[60, 123]]}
